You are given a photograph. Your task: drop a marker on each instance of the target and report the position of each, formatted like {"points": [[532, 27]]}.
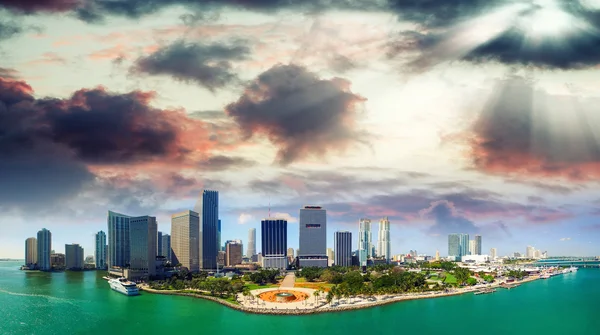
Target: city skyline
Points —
{"points": [[286, 103]]}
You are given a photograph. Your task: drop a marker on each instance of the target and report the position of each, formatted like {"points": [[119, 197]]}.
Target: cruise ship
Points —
{"points": [[124, 286]]}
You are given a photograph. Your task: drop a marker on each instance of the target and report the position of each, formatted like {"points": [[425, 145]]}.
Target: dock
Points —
{"points": [[509, 286], [485, 291]]}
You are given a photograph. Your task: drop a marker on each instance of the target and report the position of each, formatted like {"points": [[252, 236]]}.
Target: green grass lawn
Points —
{"points": [[253, 286], [300, 280], [450, 279], [434, 278]]}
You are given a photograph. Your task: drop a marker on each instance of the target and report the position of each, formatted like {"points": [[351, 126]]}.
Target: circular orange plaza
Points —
{"points": [[283, 296]]}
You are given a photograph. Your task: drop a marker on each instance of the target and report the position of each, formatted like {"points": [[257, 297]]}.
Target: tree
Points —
{"points": [[316, 295], [462, 275]]}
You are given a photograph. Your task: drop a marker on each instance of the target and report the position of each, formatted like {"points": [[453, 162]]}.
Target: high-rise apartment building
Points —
{"points": [[44, 248], [343, 248], [274, 243], [477, 245], [437, 255], [364, 241], [251, 250], [159, 244], [472, 247], [73, 257], [530, 252], [493, 254], [384, 246], [313, 237], [100, 250], [464, 244], [290, 252], [208, 211], [185, 240], [166, 247], [31, 251], [143, 244], [454, 245], [118, 240], [233, 253]]}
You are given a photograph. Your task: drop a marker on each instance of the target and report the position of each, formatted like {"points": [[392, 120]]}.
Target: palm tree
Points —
{"points": [[316, 295]]}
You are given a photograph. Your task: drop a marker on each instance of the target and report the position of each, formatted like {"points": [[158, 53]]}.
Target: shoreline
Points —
{"points": [[323, 309]]}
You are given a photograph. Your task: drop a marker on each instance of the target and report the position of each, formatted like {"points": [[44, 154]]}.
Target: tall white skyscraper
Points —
{"points": [[251, 250], [364, 241], [31, 251], [100, 251], [472, 247], [493, 253], [184, 240], [313, 237], [44, 248], [530, 252], [384, 246]]}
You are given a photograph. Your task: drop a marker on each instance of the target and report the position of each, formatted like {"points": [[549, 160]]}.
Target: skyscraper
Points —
{"points": [[384, 247], [458, 245], [274, 243], [233, 253], [454, 245], [493, 253], [364, 241], [118, 240], [166, 247], [100, 251], [143, 244], [251, 250], [219, 245], [73, 257], [208, 211], [159, 244], [437, 255], [185, 240], [343, 248], [477, 244], [472, 247], [31, 251], [44, 248], [313, 237]]}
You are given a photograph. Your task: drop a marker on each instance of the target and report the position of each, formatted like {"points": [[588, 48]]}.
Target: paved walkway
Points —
{"points": [[258, 303], [288, 281]]}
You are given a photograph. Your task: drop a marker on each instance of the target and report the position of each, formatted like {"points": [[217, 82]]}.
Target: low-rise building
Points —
{"points": [[475, 259]]}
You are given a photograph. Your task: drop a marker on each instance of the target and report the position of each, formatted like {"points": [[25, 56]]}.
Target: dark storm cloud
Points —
{"points": [[220, 163], [523, 131], [300, 113], [31, 6], [46, 144], [448, 29], [8, 73], [9, 29], [208, 65], [447, 219]]}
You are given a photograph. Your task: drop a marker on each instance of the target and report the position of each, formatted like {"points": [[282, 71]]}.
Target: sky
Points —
{"points": [[462, 116]]}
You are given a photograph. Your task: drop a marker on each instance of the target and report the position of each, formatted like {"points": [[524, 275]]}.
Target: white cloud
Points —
{"points": [[565, 239], [244, 218], [285, 216]]}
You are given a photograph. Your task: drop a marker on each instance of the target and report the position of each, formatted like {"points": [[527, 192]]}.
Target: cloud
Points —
{"points": [[303, 115], [514, 33], [32, 6], [220, 163], [447, 219], [525, 132], [56, 148], [208, 65], [8, 73], [245, 218], [9, 29], [565, 239], [286, 216], [504, 227]]}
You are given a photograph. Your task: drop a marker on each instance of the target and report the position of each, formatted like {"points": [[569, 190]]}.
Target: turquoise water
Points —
{"points": [[82, 303]]}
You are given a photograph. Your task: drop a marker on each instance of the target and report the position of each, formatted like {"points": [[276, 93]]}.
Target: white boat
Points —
{"points": [[573, 269], [124, 286]]}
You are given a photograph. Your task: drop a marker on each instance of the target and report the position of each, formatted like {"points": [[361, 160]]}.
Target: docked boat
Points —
{"points": [[573, 269], [124, 286]]}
